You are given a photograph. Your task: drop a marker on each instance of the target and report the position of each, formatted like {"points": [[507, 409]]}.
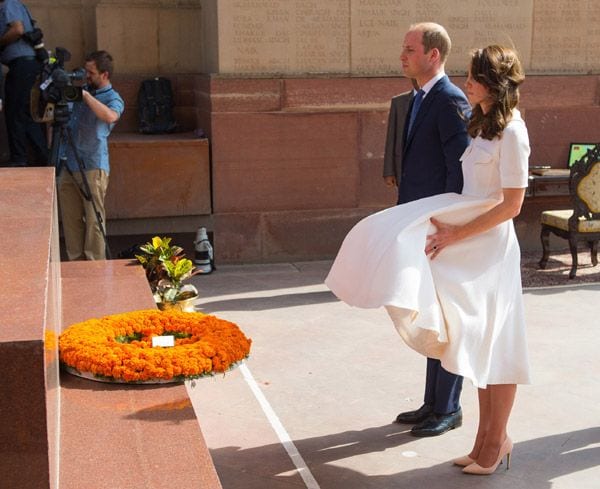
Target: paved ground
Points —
{"points": [[335, 377]]}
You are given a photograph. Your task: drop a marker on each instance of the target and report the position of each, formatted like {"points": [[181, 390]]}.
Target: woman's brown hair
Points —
{"points": [[499, 70]]}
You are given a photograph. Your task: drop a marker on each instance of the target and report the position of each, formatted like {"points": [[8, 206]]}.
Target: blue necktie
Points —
{"points": [[415, 109]]}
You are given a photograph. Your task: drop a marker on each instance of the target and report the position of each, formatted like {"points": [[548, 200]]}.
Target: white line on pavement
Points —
{"points": [[282, 434]]}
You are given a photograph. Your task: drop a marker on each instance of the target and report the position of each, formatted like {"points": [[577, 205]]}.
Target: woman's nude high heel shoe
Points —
{"points": [[463, 461], [477, 469]]}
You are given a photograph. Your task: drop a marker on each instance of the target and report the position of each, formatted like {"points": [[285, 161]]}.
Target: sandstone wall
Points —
{"points": [[294, 95], [144, 36], [307, 36], [364, 36]]}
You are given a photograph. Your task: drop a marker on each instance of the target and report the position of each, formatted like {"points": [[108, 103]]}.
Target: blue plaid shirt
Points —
{"points": [[90, 134]]}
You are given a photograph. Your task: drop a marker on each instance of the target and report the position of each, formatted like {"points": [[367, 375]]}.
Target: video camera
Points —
{"points": [[54, 89]]}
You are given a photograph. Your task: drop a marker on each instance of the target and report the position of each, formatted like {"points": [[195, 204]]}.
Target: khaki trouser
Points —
{"points": [[83, 238]]}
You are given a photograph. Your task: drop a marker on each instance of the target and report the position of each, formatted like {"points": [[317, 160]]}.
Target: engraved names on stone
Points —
{"points": [[267, 36], [477, 23], [566, 36], [365, 36], [378, 28]]}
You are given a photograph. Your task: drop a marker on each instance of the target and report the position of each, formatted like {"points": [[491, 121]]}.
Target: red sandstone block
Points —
{"points": [[202, 97], [373, 132], [373, 129], [373, 191], [552, 129], [183, 82], [301, 92], [307, 235], [123, 425], [24, 437], [28, 404], [245, 95], [559, 91], [154, 176], [237, 237], [284, 161], [202, 82], [114, 275], [128, 121], [128, 87], [185, 118], [185, 98], [204, 121]]}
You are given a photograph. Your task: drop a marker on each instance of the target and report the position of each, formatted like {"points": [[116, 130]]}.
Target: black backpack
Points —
{"points": [[155, 106]]}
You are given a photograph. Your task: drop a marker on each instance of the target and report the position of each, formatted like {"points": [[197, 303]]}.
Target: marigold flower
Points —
{"points": [[119, 347]]}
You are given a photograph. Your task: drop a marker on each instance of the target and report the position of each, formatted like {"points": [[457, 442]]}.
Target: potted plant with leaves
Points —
{"points": [[166, 268]]}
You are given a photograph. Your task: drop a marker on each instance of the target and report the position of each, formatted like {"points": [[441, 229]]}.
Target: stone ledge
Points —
{"points": [[126, 436], [119, 139], [29, 321], [160, 175]]}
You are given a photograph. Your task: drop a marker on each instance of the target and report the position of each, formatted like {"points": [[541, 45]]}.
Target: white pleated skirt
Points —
{"points": [[465, 307]]}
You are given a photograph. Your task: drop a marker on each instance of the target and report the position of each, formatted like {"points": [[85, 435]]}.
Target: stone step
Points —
{"points": [[116, 435]]}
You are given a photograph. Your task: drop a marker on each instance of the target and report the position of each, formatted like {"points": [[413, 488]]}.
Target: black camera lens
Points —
{"points": [[77, 74], [71, 93]]}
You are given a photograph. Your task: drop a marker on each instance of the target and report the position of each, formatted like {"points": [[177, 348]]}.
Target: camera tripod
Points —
{"points": [[61, 136]]}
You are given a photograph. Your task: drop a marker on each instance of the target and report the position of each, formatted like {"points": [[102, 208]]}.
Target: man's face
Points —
{"points": [[415, 62], [94, 78]]}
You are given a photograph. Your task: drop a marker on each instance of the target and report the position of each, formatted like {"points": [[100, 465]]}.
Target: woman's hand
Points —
{"points": [[445, 235]]}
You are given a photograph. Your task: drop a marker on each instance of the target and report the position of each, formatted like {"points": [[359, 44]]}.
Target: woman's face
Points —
{"points": [[477, 93]]}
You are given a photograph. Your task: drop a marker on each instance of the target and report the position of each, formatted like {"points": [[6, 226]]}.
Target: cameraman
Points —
{"points": [[91, 123], [23, 68]]}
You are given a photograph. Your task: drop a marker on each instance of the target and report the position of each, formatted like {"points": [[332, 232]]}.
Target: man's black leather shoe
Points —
{"points": [[438, 424], [412, 417]]}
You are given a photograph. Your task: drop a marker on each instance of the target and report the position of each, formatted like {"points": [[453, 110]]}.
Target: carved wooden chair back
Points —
{"points": [[582, 222]]}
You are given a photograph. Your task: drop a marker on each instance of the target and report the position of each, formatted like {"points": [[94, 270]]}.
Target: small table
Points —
{"points": [[548, 183]]}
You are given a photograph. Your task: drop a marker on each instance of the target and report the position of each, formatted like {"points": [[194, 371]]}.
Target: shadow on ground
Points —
{"points": [[322, 453]]}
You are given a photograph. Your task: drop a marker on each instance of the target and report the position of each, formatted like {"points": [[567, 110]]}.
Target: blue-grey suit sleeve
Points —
{"points": [[452, 125]]}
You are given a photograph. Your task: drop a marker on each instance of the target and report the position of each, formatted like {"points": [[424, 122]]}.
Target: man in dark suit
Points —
{"points": [[392, 159], [433, 137]]}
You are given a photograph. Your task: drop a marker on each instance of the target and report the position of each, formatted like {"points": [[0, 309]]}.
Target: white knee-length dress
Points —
{"points": [[465, 307]]}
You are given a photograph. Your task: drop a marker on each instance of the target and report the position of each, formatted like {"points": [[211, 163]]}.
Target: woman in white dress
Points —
{"points": [[447, 267]]}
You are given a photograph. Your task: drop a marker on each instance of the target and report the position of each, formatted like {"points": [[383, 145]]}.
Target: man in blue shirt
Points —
{"points": [[91, 122], [23, 68]]}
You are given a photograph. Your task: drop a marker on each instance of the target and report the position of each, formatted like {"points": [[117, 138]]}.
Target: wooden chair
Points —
{"points": [[582, 223]]}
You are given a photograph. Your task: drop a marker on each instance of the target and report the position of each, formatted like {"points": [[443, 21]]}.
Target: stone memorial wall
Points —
{"points": [[144, 36], [283, 37], [291, 37], [358, 36], [294, 95], [566, 37]]}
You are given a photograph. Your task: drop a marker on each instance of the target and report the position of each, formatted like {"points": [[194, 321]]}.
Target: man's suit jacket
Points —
{"points": [[392, 159], [431, 152]]}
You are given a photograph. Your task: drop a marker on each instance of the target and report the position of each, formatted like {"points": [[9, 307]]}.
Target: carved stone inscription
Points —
{"points": [[478, 23], [270, 36], [566, 36], [378, 28], [365, 36]]}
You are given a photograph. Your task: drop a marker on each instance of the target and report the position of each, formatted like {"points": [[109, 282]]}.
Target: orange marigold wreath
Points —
{"points": [[119, 347]]}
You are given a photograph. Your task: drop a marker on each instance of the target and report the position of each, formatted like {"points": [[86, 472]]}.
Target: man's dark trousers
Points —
{"points": [[431, 166], [20, 126], [442, 389]]}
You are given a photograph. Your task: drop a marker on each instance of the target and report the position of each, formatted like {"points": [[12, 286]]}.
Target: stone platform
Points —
{"points": [[126, 436], [335, 377]]}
